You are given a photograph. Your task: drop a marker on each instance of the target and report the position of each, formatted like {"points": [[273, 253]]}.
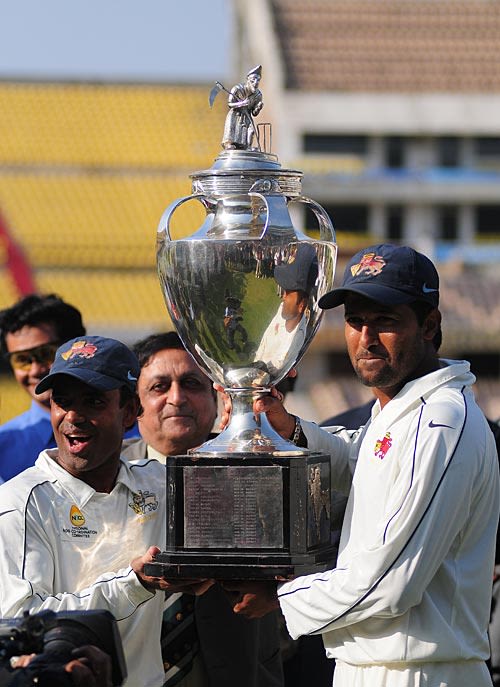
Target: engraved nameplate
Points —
{"points": [[233, 507]]}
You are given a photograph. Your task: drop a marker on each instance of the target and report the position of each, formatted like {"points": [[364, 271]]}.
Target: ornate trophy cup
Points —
{"points": [[242, 292]]}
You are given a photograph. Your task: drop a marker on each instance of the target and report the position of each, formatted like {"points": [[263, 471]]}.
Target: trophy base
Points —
{"points": [[247, 516], [233, 567]]}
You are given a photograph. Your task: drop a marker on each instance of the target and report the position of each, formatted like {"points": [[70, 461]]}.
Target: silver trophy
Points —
{"points": [[242, 292]]}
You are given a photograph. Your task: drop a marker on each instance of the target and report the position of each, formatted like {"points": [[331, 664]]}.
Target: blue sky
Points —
{"points": [[159, 40]]}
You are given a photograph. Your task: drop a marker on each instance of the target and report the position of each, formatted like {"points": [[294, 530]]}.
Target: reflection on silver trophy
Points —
{"points": [[242, 291]]}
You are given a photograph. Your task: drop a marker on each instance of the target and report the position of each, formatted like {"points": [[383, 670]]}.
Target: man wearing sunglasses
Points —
{"points": [[30, 332]]}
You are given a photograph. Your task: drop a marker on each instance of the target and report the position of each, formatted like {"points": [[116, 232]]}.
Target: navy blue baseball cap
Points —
{"points": [[388, 274], [102, 363], [300, 272]]}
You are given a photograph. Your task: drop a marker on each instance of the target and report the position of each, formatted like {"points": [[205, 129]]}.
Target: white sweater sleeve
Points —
{"points": [[340, 444], [27, 568], [430, 502]]}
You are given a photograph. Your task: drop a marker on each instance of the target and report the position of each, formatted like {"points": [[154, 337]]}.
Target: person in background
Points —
{"points": [[178, 403], [178, 411], [31, 330]]}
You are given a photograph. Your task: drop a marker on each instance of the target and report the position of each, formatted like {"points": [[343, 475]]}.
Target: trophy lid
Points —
{"points": [[235, 172]]}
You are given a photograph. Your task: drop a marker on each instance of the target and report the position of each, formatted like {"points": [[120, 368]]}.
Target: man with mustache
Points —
{"points": [[409, 599], [178, 403], [178, 411]]}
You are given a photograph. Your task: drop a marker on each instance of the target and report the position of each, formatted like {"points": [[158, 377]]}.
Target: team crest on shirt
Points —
{"points": [[144, 502], [369, 264], [382, 446]]}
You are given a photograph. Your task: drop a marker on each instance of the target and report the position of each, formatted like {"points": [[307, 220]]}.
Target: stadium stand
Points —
{"points": [[344, 393], [389, 45], [108, 125], [91, 219], [8, 291], [122, 300], [13, 399], [86, 171]]}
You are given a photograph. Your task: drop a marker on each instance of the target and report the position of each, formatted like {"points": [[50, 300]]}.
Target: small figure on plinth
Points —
{"points": [[245, 102]]}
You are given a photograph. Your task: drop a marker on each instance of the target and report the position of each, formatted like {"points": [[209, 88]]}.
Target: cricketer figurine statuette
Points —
{"points": [[242, 292]]}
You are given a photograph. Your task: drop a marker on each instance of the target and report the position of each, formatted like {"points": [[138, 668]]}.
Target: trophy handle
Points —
{"points": [[326, 230], [254, 194], [164, 223], [276, 206]]}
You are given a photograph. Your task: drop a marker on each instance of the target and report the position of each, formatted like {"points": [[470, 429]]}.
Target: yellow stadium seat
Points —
{"points": [[109, 125], [91, 220], [117, 299], [13, 399], [8, 292]]}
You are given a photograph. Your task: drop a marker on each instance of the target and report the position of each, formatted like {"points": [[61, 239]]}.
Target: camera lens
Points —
{"points": [[60, 641]]}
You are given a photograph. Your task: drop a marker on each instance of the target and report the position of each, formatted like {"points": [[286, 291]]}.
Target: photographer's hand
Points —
{"points": [[91, 667], [21, 661], [197, 587]]}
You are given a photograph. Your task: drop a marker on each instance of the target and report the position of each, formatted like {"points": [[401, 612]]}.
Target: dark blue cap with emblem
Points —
{"points": [[388, 274], [102, 363]]}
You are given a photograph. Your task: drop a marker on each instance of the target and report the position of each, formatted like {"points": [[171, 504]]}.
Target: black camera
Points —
{"points": [[53, 636]]}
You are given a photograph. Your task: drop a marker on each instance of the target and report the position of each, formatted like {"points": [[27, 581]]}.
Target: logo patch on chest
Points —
{"points": [[75, 526], [382, 446], [76, 516], [144, 502]]}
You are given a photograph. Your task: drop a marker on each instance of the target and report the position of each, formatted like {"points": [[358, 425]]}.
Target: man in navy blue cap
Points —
{"points": [[409, 599], [388, 274], [401, 280], [77, 528]]}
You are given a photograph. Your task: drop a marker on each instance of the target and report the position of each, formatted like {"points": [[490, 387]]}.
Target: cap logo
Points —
{"points": [[369, 264], [80, 349]]}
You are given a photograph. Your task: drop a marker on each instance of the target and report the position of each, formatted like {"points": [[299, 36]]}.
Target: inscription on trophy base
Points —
{"points": [[242, 517], [232, 507]]}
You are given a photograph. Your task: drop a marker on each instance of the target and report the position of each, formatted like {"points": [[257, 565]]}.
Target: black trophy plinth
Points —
{"points": [[242, 516]]}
